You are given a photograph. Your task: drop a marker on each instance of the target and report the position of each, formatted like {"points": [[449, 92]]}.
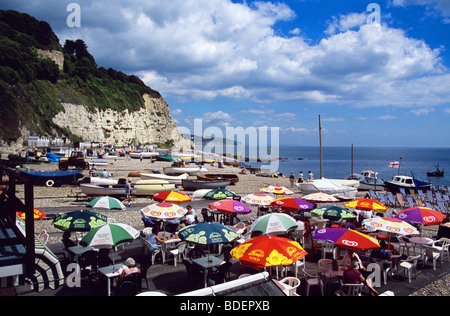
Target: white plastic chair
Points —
{"points": [[432, 253], [313, 279], [410, 265], [386, 267], [296, 266], [328, 247], [290, 284], [404, 245], [443, 248], [147, 250], [43, 236], [179, 252], [350, 290]]}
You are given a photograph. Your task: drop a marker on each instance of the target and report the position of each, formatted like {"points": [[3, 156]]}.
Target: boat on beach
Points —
{"points": [[406, 182], [329, 187], [192, 171], [368, 180], [170, 179], [144, 155], [52, 178], [234, 178], [193, 185], [141, 187]]}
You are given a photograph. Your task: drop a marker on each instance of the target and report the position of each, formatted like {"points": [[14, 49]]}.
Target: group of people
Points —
{"points": [[301, 177]]}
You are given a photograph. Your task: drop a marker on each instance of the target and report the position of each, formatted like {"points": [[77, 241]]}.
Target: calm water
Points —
{"points": [[337, 161]]}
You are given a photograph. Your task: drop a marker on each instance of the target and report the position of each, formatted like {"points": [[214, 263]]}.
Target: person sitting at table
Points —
{"points": [[130, 268], [381, 253], [154, 240], [353, 276], [353, 256], [67, 241], [190, 216]]}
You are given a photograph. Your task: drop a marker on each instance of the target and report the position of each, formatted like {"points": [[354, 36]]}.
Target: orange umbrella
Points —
{"points": [[38, 215], [171, 197], [268, 251], [367, 205]]}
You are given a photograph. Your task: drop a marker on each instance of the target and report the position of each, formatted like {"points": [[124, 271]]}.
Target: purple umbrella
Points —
{"points": [[230, 207]]}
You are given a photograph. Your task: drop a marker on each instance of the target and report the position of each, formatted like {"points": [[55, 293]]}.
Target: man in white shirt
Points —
{"points": [[190, 216]]}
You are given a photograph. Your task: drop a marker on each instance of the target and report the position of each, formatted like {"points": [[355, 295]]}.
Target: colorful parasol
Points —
{"points": [[219, 194], [258, 199], [171, 197], [38, 215], [367, 205], [421, 216], [106, 203], [333, 212], [208, 233], [277, 190], [230, 207], [346, 238], [268, 251], [273, 223], [292, 205], [319, 197], [390, 225], [163, 211], [109, 235], [81, 221]]}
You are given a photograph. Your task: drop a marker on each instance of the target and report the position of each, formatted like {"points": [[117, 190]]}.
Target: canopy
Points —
{"points": [[208, 233], [367, 205], [219, 194], [230, 207], [171, 197], [268, 251], [273, 223], [258, 199], [319, 197], [390, 225], [163, 211], [329, 187], [277, 190], [106, 203], [292, 205], [109, 235], [333, 212], [79, 221], [421, 216], [346, 238]]}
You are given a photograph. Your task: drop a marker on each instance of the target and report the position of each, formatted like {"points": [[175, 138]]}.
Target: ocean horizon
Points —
{"points": [[337, 161]]}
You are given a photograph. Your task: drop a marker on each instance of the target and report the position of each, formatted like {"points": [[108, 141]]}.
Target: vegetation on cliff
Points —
{"points": [[32, 87]]}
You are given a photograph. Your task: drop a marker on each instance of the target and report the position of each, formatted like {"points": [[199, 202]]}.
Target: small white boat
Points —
{"points": [[103, 190], [150, 187], [144, 154], [101, 181], [368, 180], [192, 171], [170, 179], [328, 187], [406, 182]]}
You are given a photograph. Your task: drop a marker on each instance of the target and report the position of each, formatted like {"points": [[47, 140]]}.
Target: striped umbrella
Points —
{"points": [[277, 190], [319, 197], [273, 223], [421, 216], [106, 203], [292, 205], [109, 235], [230, 207], [390, 225], [367, 205], [346, 238]]}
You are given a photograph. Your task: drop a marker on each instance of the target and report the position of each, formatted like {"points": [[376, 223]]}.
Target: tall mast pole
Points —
{"points": [[320, 143]]}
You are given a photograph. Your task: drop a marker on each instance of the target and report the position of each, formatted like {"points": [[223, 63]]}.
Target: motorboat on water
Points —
{"points": [[406, 182], [437, 173], [368, 180]]}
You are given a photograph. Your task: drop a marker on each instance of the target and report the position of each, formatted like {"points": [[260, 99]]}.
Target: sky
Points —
{"points": [[377, 71]]}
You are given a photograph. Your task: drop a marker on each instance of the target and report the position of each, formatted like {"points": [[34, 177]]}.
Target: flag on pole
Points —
{"points": [[394, 164]]}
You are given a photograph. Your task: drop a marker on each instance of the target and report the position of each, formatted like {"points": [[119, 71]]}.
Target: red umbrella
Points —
{"points": [[230, 207], [421, 215], [292, 205], [346, 238], [171, 197], [268, 251], [367, 205]]}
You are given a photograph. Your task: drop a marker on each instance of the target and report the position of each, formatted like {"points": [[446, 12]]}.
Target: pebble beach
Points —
{"points": [[56, 200]]}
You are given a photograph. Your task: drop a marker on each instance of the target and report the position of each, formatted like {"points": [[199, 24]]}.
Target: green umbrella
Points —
{"points": [[219, 194], [208, 233], [333, 212], [109, 235], [106, 203], [81, 221], [274, 223]]}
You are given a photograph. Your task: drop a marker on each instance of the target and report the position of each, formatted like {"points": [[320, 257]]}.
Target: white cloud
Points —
{"points": [[422, 111], [441, 6]]}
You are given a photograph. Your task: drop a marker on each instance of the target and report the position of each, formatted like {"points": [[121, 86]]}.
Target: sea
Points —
{"points": [[337, 162]]}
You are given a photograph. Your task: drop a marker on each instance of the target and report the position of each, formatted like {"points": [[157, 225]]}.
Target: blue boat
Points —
{"points": [[52, 178]]}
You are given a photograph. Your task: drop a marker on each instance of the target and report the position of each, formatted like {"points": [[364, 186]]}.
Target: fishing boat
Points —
{"points": [[192, 185], [144, 154], [368, 180], [170, 179], [52, 178], [406, 182], [219, 176], [437, 173], [192, 171], [141, 187]]}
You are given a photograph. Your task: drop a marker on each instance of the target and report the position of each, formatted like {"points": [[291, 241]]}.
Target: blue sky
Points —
{"points": [[280, 64]]}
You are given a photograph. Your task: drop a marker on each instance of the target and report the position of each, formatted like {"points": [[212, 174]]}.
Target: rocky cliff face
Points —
{"points": [[151, 124]]}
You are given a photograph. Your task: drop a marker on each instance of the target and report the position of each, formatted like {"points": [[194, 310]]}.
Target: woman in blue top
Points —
{"points": [[154, 240]]}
